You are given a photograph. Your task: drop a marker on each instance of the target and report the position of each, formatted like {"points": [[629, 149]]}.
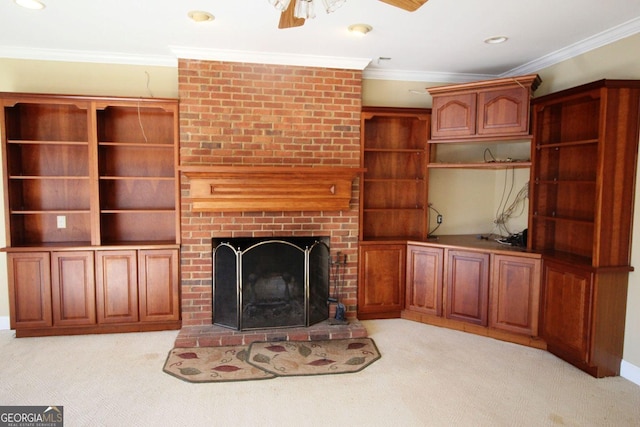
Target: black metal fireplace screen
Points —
{"points": [[263, 283]]}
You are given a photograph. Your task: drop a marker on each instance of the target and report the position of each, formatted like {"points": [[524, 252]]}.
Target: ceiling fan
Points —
{"points": [[294, 12]]}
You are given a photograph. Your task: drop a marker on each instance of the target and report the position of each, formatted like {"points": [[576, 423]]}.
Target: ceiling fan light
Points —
{"points": [[333, 5], [30, 4], [304, 9], [281, 5]]}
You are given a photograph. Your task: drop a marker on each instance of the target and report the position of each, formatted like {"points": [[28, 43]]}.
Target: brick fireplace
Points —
{"points": [[257, 115]]}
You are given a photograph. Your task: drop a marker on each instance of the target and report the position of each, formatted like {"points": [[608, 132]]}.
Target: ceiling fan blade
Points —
{"points": [[410, 5], [287, 18]]}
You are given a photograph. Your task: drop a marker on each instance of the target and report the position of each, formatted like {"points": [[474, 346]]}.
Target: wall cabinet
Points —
{"points": [[382, 271], [467, 283], [89, 183], [490, 109], [585, 155]]}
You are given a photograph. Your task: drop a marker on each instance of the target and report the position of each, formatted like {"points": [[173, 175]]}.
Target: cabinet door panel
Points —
{"points": [[454, 116], [424, 279], [158, 285], [73, 288], [567, 302], [467, 284], [381, 279], [29, 289], [503, 111], [515, 293], [116, 286]]}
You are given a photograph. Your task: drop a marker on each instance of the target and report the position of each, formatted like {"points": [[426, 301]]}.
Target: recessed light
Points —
{"points": [[200, 16], [360, 29], [496, 40], [30, 4]]}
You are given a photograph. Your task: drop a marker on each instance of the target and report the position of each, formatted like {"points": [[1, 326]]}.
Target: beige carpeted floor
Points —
{"points": [[427, 376]]}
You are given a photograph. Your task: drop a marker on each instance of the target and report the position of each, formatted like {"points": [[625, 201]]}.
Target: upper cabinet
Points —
{"points": [[486, 110]]}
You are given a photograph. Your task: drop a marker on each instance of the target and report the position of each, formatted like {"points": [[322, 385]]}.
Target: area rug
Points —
{"points": [[265, 360]]}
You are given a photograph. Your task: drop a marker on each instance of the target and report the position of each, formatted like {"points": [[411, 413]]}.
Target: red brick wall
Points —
{"points": [[267, 115]]}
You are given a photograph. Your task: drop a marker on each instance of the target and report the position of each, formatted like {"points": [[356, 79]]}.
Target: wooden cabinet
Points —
{"points": [[467, 284], [584, 315], [585, 155], [515, 294], [394, 187], [89, 182], [30, 290], [73, 289], [424, 279], [382, 279], [116, 286], [488, 109], [86, 291], [158, 285]]}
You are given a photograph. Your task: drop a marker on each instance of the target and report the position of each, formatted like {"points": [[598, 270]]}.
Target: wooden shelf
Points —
{"points": [[480, 165]]}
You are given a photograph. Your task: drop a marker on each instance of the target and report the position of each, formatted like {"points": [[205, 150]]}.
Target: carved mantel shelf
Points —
{"points": [[269, 188]]}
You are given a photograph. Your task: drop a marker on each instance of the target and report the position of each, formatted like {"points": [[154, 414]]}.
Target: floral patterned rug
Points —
{"points": [[265, 360]]}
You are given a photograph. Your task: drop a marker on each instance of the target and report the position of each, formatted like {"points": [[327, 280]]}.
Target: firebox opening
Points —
{"points": [[273, 282]]}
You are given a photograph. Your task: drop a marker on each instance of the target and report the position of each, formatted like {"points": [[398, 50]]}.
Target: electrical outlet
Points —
{"points": [[61, 221], [439, 219]]}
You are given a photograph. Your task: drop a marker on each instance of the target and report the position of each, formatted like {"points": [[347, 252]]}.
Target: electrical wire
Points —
{"points": [[504, 213], [430, 232]]}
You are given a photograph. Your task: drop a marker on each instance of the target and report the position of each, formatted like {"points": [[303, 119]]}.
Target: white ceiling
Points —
{"points": [[441, 41]]}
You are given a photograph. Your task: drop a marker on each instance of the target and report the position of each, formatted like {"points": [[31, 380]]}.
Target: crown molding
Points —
{"points": [[424, 76], [604, 38], [270, 58], [87, 56]]}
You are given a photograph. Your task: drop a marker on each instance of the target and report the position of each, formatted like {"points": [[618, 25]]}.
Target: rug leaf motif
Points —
{"points": [[321, 362], [190, 371], [356, 346], [261, 358], [188, 355], [276, 348], [304, 350], [226, 368], [354, 361]]}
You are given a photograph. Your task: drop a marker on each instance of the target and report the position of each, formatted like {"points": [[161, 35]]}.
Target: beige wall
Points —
{"points": [[613, 61]]}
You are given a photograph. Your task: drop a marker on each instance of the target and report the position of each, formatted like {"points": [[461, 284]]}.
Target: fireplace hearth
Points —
{"points": [[275, 282]]}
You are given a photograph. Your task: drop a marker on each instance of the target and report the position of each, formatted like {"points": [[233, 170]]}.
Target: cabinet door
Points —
{"points": [[116, 286], [566, 310], [73, 288], [158, 285], [381, 280], [503, 111], [424, 279], [467, 282], [29, 289], [454, 116], [515, 294]]}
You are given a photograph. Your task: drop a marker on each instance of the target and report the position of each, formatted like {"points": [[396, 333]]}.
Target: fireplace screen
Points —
{"points": [[270, 282]]}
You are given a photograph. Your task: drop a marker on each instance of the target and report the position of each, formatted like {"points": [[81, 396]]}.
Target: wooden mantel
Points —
{"points": [[269, 188]]}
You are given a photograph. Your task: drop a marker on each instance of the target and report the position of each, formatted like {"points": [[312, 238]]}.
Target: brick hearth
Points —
{"points": [[215, 336]]}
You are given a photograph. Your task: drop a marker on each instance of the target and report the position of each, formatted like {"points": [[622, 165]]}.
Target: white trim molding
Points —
{"points": [[4, 323], [630, 372], [87, 56], [611, 35], [270, 58]]}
